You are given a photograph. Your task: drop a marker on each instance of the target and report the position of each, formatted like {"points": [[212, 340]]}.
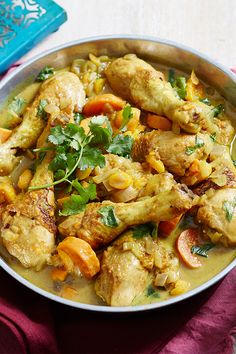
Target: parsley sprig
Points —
{"points": [[198, 144]]}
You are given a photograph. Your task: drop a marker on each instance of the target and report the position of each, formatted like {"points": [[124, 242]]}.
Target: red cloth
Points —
{"points": [[31, 324]]}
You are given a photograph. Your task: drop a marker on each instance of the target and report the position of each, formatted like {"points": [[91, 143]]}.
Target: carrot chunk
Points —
{"points": [[97, 104], [158, 122], [185, 241]]}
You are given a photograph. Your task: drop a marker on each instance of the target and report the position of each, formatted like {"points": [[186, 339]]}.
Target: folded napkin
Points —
{"points": [[203, 324]]}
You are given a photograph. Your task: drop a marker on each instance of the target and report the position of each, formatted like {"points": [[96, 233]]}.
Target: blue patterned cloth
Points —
{"points": [[23, 23]]}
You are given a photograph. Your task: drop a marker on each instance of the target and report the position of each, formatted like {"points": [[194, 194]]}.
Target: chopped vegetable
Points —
{"points": [[24, 179], [218, 110], [198, 144], [195, 90], [181, 286], [77, 202], [206, 101], [45, 73], [82, 174], [17, 105], [7, 191], [202, 250], [59, 274], [148, 229], [4, 134], [120, 180], [157, 165], [81, 255], [97, 104], [127, 114], [178, 83], [166, 227], [229, 208], [109, 217], [78, 117], [186, 240], [158, 122], [213, 137], [121, 145], [152, 292], [171, 76], [41, 113]]}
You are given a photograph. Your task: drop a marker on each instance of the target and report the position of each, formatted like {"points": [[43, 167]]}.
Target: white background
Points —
{"points": [[206, 25]]}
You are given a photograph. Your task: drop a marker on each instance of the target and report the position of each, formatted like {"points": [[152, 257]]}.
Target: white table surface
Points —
{"points": [[206, 25]]}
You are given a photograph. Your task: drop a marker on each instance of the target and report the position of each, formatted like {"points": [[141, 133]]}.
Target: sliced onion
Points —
{"points": [[125, 195]]}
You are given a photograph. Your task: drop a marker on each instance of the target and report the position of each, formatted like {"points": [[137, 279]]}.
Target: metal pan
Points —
{"points": [[148, 48]]}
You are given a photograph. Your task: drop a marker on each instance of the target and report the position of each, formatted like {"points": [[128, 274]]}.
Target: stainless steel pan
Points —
{"points": [[154, 50]]}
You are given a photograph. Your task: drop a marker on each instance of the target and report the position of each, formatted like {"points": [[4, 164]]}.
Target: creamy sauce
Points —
{"points": [[219, 257]]}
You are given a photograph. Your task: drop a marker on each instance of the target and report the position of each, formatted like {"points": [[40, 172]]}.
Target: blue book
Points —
{"points": [[24, 23]]}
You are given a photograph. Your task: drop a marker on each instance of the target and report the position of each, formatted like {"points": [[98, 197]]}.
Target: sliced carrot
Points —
{"points": [[185, 241], [79, 254], [158, 122], [5, 134], [97, 104], [166, 227]]}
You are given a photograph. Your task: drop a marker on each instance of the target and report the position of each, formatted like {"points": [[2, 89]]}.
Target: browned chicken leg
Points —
{"points": [[176, 151], [90, 226], [130, 265], [56, 95], [28, 230], [137, 81]]}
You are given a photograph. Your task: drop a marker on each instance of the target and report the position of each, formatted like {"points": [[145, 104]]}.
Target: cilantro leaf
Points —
{"points": [[198, 144], [45, 73], [58, 163], [78, 117], [17, 105], [91, 157], [86, 193], [57, 136], [229, 208], [202, 249], [41, 113], [101, 135], [152, 292], [121, 145], [109, 217], [218, 110], [143, 230], [72, 206], [127, 114]]}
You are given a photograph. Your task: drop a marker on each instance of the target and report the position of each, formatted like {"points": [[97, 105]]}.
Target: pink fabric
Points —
{"points": [[31, 324]]}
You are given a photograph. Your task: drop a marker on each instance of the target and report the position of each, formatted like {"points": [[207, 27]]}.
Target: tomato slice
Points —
{"points": [[166, 227], [185, 241]]}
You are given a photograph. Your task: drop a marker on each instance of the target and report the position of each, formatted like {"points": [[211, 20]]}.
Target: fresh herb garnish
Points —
{"points": [[198, 144], [17, 105], [127, 114], [109, 217], [78, 117], [234, 162], [229, 207], [101, 130], [206, 101], [45, 73], [77, 202], [41, 113], [73, 150], [213, 137], [152, 292], [202, 250], [143, 230], [218, 110], [121, 145]]}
